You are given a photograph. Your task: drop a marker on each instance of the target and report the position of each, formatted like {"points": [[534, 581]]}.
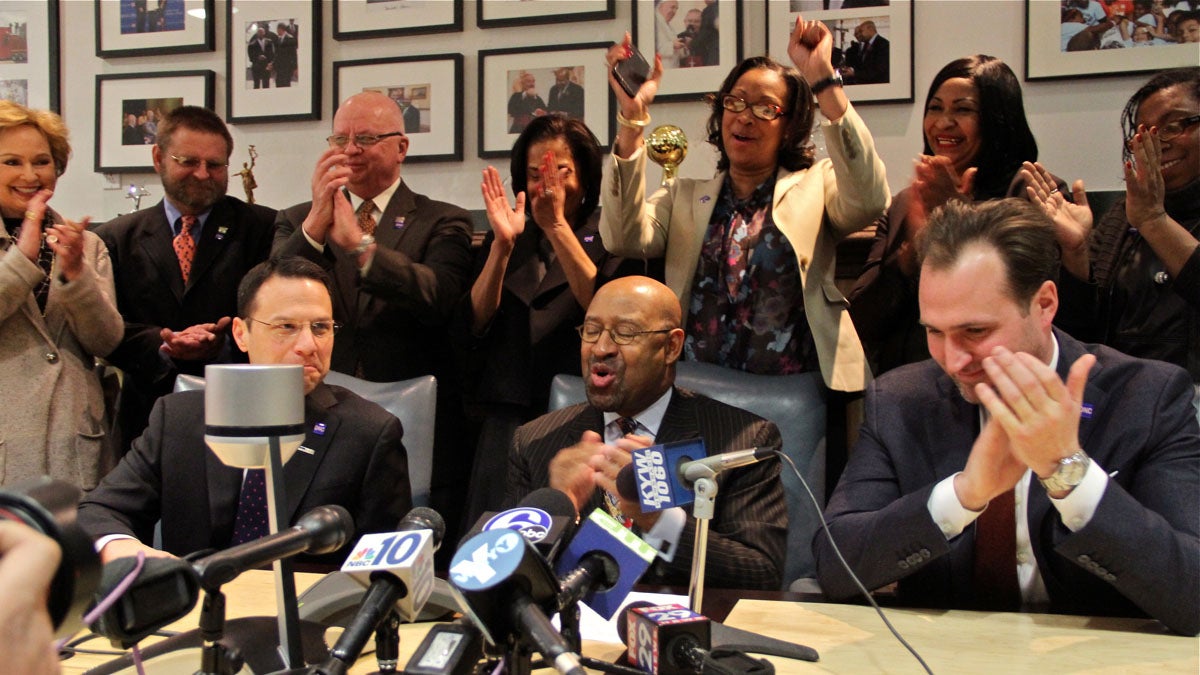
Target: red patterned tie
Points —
{"points": [[995, 574], [627, 425], [366, 218], [185, 246]]}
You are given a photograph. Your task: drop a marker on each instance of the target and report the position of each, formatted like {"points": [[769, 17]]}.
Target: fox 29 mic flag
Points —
{"points": [[658, 481]]}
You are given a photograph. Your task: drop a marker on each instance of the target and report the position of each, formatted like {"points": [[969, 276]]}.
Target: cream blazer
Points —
{"points": [[52, 418], [814, 208]]}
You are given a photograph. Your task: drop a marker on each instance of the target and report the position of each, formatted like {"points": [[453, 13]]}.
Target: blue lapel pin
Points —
{"points": [[1086, 410], [319, 429], [398, 223], [704, 199], [221, 232], [589, 239]]}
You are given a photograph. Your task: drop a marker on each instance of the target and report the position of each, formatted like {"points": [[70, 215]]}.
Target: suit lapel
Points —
{"points": [[589, 239], [957, 434], [321, 427], [155, 237], [679, 421], [214, 240]]}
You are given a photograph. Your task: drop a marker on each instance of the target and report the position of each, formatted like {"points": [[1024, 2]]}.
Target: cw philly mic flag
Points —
{"points": [[657, 476]]}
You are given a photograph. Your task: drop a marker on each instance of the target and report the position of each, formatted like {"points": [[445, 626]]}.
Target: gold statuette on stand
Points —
{"points": [[667, 146], [247, 174]]}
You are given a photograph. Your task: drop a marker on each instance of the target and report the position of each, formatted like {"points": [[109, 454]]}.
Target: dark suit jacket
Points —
{"points": [[394, 319], [151, 294], [359, 462], [1140, 553], [748, 531], [260, 56], [870, 66], [567, 99]]}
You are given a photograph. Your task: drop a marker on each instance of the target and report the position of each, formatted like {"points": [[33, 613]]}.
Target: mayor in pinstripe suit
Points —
{"points": [[631, 340]]}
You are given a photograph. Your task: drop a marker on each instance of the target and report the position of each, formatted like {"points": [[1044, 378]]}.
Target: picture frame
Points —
{"points": [[29, 65], [1054, 51], [428, 89], [502, 73], [363, 19], [502, 13], [261, 41], [119, 96], [138, 28], [689, 74], [881, 80]]}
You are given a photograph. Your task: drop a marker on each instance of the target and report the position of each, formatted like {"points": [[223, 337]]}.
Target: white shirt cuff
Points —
{"points": [[108, 538], [1077, 508], [312, 242], [664, 536], [945, 509]]}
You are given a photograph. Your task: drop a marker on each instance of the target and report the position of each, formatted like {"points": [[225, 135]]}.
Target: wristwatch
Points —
{"points": [[834, 80], [363, 245], [1068, 474]]}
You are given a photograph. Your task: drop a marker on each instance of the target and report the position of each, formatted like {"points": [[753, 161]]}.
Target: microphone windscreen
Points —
{"points": [[627, 483], [554, 502], [425, 518], [164, 591], [331, 526]]}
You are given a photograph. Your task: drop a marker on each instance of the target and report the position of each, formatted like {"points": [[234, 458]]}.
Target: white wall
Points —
{"points": [[1076, 122]]}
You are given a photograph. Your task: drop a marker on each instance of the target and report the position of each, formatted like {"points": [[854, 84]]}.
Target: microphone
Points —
{"points": [[601, 565], [545, 517], [662, 476], [164, 591], [397, 568], [510, 588], [665, 639], [323, 530]]}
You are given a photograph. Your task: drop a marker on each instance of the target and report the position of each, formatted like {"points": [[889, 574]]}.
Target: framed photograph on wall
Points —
{"points": [[29, 53], [361, 19], [699, 42], [273, 61], [129, 106], [499, 13], [872, 44], [1072, 43], [427, 89], [153, 27], [516, 85]]}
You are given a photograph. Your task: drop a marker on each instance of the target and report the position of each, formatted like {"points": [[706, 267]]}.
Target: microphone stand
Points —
{"points": [[387, 643], [216, 658], [702, 510], [285, 582]]}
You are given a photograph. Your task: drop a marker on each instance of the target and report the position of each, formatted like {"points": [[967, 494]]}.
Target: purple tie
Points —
{"points": [[251, 521]]}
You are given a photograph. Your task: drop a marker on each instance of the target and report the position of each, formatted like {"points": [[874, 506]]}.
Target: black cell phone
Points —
{"points": [[632, 72]]}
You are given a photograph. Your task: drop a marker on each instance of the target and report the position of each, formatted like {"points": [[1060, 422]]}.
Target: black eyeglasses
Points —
{"points": [[621, 335], [290, 330], [361, 140], [193, 163], [1169, 131], [763, 111]]}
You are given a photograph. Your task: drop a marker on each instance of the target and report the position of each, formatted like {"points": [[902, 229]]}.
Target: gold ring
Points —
{"points": [[1053, 191], [30, 215]]}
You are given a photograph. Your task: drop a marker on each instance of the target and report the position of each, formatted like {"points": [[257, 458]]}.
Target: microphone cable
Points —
{"points": [[110, 600], [845, 565]]}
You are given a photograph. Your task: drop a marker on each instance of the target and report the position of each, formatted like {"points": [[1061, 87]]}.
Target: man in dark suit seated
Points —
{"points": [[1086, 460], [399, 261], [631, 340], [869, 58], [177, 264], [352, 453]]}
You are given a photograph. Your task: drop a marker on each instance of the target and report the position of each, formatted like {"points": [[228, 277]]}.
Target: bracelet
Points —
{"points": [[632, 124], [363, 245]]}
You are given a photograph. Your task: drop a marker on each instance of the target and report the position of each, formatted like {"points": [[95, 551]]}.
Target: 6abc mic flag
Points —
{"points": [[390, 552], [657, 479]]}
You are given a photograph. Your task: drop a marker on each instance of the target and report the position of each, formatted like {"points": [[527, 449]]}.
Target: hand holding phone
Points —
{"points": [[632, 72]]}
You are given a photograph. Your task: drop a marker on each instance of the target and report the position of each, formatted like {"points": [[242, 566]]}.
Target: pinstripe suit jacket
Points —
{"points": [[748, 531]]}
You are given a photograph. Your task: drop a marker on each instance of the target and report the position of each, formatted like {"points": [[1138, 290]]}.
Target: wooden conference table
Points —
{"points": [[849, 638]]}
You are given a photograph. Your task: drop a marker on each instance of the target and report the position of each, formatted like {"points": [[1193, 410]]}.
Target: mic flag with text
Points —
{"points": [[601, 534], [658, 482], [666, 639]]}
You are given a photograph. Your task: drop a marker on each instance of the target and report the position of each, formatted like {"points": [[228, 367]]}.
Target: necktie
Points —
{"points": [[995, 573], [251, 520], [366, 219], [627, 425], [185, 246]]}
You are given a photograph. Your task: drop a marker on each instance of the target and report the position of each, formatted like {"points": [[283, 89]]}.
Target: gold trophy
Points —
{"points": [[247, 174], [666, 147]]}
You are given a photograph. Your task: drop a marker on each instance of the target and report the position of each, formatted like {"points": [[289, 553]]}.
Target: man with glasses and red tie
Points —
{"points": [[177, 264], [399, 262], [630, 342], [352, 453]]}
